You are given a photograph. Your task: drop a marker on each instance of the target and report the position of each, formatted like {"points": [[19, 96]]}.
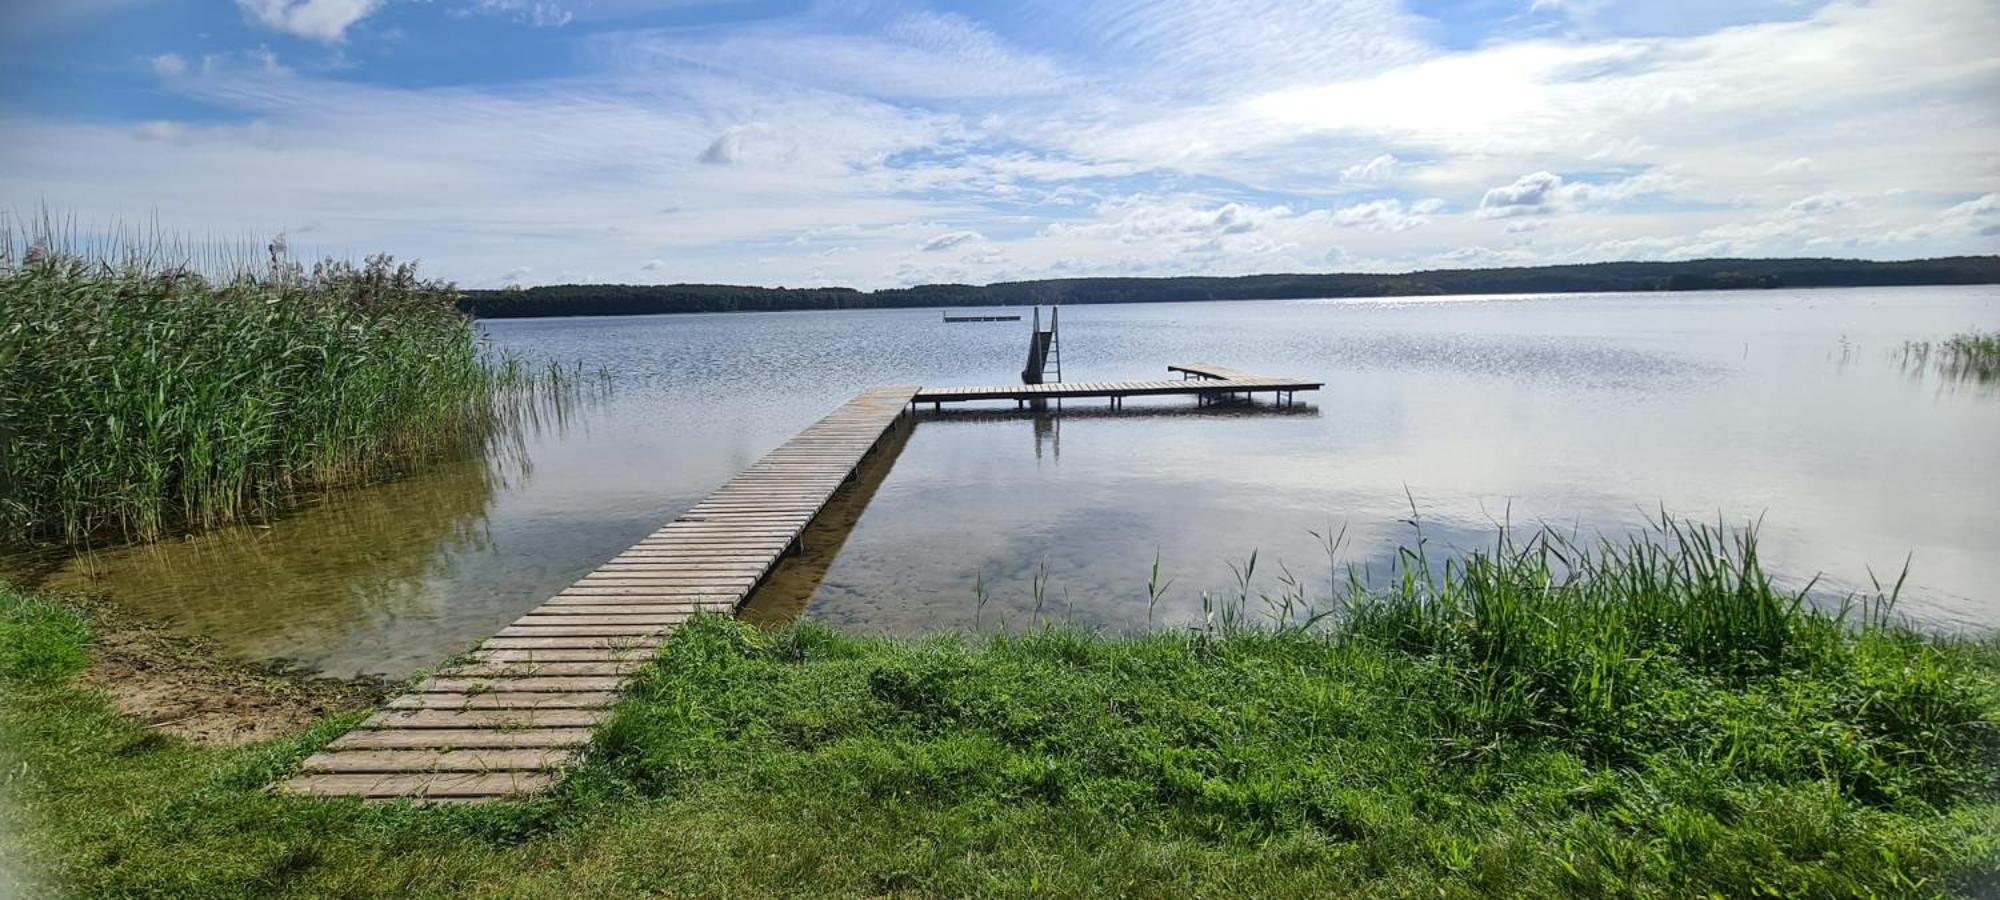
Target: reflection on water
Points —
{"points": [[329, 585], [783, 596], [1591, 413]]}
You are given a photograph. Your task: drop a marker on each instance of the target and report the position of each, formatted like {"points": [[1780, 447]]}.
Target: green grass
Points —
{"points": [[1650, 718], [139, 397]]}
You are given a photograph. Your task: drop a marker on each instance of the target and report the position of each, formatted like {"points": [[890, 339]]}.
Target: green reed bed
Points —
{"points": [[137, 397], [1970, 355], [1651, 717]]}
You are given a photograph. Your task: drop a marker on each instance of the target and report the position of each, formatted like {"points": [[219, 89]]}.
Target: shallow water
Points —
{"points": [[1589, 412]]}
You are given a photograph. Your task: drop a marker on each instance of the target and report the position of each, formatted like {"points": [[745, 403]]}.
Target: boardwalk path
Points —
{"points": [[522, 706]]}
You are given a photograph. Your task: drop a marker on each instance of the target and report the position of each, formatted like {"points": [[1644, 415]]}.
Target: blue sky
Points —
{"points": [[880, 144]]}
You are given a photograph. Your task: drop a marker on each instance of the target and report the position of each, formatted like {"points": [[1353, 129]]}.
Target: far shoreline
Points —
{"points": [[577, 300]]}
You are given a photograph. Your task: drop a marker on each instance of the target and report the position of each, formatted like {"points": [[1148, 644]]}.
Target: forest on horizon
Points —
{"points": [[1692, 275]]}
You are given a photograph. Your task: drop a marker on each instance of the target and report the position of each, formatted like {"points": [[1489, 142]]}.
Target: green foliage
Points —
{"points": [[1698, 274], [1648, 718], [136, 398]]}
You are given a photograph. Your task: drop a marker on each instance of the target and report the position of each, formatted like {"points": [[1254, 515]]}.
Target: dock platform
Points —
{"points": [[1202, 382], [993, 318], [521, 707]]}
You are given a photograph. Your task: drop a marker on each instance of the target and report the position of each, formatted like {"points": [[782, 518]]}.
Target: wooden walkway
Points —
{"points": [[1210, 382], [520, 709]]}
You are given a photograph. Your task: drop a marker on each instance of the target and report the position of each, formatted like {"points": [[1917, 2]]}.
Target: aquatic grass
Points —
{"points": [[1968, 356], [142, 395], [1489, 727]]}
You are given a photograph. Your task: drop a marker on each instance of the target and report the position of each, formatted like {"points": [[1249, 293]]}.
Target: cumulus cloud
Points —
{"points": [[319, 20], [516, 275], [168, 65], [1376, 170], [1534, 194], [1231, 219], [1541, 193], [1387, 215], [654, 265], [1818, 204], [1980, 216], [951, 239]]}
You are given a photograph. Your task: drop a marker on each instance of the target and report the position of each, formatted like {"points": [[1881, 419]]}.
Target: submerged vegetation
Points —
{"points": [[1969, 356], [1652, 717], [140, 394]]}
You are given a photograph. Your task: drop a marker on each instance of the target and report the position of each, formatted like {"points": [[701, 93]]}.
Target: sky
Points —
{"points": [[882, 144]]}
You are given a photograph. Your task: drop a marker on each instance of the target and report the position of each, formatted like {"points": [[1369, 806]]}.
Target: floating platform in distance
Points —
{"points": [[1199, 381], [999, 318]]}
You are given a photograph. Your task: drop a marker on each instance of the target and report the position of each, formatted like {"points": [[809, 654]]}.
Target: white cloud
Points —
{"points": [[159, 130], [1195, 136], [168, 65], [539, 13], [1818, 204], [1535, 194], [1387, 215], [951, 239], [1377, 170], [1981, 216], [1541, 193], [319, 20]]}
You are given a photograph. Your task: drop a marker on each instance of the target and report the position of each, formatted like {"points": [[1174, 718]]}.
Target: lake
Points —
{"points": [[1588, 413]]}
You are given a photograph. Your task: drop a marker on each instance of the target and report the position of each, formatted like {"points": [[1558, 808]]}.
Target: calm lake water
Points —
{"points": [[1591, 413]]}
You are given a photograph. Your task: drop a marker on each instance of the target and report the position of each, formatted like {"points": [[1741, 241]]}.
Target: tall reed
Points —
{"points": [[1967, 356], [140, 394]]}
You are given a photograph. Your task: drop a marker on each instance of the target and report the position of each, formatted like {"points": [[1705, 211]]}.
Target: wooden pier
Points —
{"points": [[520, 709], [1201, 382], [995, 318]]}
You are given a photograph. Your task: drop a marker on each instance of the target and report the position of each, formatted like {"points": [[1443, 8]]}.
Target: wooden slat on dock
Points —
{"points": [[519, 711]]}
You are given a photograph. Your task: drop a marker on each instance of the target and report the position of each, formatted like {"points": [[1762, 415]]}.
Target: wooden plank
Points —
{"points": [[605, 642], [487, 718], [507, 701], [656, 591], [495, 784], [556, 655], [657, 619], [494, 669], [517, 684], [420, 761], [468, 738], [540, 630]]}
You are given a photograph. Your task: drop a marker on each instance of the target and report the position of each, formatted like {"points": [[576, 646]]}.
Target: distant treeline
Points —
{"points": [[1693, 275]]}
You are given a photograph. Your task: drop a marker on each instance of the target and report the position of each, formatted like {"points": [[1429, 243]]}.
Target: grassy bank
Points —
{"points": [[138, 397], [1651, 718]]}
